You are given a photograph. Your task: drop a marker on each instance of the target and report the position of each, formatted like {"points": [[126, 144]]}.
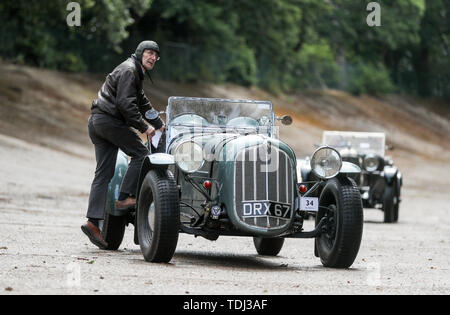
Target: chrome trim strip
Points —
{"points": [[254, 179], [267, 180], [254, 172], [287, 177], [243, 174], [278, 176], [267, 172]]}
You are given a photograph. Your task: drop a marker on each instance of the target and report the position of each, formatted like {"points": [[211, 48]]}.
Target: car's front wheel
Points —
{"points": [[396, 203], [158, 216], [340, 204], [390, 204], [268, 246]]}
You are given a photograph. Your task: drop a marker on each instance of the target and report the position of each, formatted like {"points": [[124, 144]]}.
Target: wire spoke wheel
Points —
{"points": [[331, 226]]}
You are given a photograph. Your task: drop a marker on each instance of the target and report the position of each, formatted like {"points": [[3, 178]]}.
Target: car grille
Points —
{"points": [[264, 191]]}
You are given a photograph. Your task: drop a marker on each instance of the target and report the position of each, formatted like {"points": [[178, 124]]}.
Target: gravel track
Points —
{"points": [[43, 199]]}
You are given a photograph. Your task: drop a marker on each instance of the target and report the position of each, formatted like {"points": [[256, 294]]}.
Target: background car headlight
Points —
{"points": [[371, 163], [189, 156], [326, 162]]}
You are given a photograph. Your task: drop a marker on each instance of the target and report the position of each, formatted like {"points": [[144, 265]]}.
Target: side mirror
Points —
{"points": [[285, 120]]}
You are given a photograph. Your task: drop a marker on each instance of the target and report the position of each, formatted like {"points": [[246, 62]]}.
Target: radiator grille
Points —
{"points": [[264, 194]]}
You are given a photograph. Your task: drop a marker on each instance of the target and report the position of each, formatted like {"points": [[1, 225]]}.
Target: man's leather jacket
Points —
{"points": [[122, 96]]}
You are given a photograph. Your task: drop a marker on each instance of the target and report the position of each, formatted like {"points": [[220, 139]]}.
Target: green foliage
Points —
{"points": [[37, 32], [282, 45], [71, 62], [314, 66], [370, 79], [431, 58]]}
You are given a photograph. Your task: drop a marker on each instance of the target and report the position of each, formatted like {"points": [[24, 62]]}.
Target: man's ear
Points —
{"points": [[142, 56]]}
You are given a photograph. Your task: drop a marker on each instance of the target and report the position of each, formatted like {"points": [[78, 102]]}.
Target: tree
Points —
{"points": [[431, 57], [36, 32]]}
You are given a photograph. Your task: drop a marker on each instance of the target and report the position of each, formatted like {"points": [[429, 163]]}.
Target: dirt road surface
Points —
{"points": [[43, 251], [47, 165]]}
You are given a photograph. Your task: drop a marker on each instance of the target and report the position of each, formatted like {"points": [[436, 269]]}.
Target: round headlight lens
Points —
{"points": [[189, 156], [326, 162], [371, 163]]}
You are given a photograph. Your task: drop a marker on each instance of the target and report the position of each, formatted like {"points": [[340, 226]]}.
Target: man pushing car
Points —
{"points": [[116, 114]]}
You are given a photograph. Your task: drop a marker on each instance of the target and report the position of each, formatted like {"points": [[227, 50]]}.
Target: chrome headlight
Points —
{"points": [[371, 163], [189, 156], [326, 162]]}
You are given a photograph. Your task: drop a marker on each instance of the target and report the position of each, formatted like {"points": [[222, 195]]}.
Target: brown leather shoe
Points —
{"points": [[125, 204], [94, 234]]}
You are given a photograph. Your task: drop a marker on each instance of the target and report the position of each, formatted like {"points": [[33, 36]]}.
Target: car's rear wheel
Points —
{"points": [[158, 216], [268, 246], [113, 230], [340, 203]]}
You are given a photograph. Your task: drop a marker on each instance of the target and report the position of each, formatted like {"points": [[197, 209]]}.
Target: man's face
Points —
{"points": [[149, 58]]}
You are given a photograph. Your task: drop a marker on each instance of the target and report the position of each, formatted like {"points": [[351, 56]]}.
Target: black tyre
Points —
{"points": [[158, 216], [340, 202], [113, 230], [396, 202], [268, 246], [389, 204]]}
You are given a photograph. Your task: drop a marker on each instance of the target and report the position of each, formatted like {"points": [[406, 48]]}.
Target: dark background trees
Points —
{"points": [[282, 45]]}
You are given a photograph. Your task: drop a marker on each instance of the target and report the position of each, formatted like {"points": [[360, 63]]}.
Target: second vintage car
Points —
{"points": [[380, 181], [225, 173]]}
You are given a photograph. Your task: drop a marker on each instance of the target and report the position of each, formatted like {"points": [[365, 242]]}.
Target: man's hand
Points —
{"points": [[162, 128], [150, 132]]}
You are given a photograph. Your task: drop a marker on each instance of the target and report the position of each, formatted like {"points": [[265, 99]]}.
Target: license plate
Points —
{"points": [[309, 204], [265, 208]]}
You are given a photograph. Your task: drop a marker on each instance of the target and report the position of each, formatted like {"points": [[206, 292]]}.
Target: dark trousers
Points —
{"points": [[108, 135]]}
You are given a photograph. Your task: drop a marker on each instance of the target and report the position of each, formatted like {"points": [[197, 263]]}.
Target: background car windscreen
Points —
{"points": [[362, 142]]}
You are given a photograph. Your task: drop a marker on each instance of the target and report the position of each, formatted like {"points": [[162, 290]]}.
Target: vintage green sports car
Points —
{"points": [[225, 172]]}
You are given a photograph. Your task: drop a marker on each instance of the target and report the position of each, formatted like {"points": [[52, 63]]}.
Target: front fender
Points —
{"points": [[154, 161], [349, 168], [400, 179], [305, 169], [390, 174]]}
